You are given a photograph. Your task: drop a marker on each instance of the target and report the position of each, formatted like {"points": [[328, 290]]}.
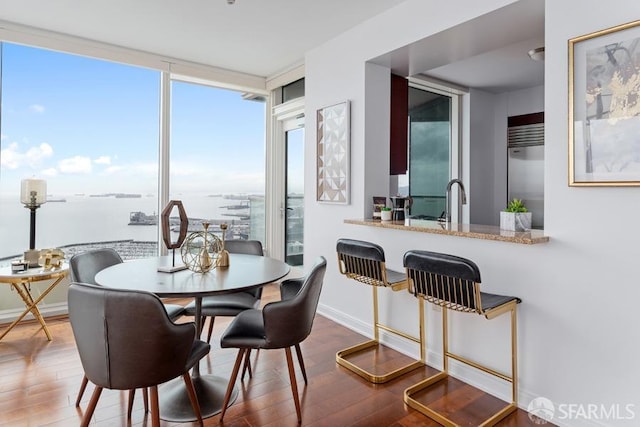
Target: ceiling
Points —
{"points": [[258, 37], [266, 37], [488, 52]]}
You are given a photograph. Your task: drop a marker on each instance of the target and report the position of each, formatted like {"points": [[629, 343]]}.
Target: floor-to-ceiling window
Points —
{"points": [[90, 129], [429, 150], [217, 165]]}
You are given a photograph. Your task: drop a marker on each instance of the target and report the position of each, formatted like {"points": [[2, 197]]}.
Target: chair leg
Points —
{"points": [[92, 407], [145, 396], [301, 363], [192, 396], [212, 318], [155, 409], [247, 365], [83, 386], [232, 381], [294, 385], [132, 395]]}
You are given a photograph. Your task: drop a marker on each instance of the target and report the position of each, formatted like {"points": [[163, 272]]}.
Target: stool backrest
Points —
{"points": [[362, 261], [445, 280]]}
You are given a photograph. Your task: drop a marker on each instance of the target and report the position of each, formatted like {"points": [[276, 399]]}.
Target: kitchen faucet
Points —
{"points": [[463, 195]]}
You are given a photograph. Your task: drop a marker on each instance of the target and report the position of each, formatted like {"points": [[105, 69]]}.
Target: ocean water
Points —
{"points": [[83, 219]]}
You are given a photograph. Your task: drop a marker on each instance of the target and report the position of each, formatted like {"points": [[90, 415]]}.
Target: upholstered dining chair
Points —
{"points": [[279, 325], [453, 284], [230, 304], [288, 290], [126, 341], [83, 267]]}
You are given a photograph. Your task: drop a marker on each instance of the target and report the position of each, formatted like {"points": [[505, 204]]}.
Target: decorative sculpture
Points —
{"points": [[223, 256], [166, 233], [199, 250]]}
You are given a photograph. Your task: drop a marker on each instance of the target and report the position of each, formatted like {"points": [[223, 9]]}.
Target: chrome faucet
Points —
{"points": [[463, 196]]}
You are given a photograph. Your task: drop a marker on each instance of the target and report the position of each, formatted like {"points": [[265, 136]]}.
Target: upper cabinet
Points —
{"points": [[399, 128]]}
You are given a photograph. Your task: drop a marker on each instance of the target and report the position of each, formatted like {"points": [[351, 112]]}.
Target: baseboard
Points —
{"points": [[47, 310], [474, 377]]}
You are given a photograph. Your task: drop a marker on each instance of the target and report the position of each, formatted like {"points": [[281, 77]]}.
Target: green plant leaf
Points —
{"points": [[516, 205]]}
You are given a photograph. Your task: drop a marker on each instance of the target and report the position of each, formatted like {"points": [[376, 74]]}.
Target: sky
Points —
{"points": [[92, 126]]}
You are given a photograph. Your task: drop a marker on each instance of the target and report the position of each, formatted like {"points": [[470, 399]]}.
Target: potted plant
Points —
{"points": [[516, 217], [385, 214]]}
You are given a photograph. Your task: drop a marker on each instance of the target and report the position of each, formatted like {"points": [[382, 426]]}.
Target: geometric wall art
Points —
{"points": [[333, 139]]}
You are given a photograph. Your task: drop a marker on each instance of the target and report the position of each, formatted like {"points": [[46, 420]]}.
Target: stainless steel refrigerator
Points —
{"points": [[526, 169]]}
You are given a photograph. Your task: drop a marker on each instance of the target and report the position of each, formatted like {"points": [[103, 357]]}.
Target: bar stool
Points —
{"points": [[365, 262], [453, 283]]}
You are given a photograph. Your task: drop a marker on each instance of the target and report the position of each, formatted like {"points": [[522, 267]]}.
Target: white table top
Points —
{"points": [[31, 274]]}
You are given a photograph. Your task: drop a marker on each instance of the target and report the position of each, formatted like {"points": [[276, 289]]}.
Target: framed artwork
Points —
{"points": [[604, 107], [333, 145]]}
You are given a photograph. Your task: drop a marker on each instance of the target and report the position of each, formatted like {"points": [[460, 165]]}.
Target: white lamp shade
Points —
{"points": [[39, 186]]}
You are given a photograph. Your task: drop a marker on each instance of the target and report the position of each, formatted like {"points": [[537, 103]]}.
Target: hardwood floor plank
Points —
{"points": [[39, 381]]}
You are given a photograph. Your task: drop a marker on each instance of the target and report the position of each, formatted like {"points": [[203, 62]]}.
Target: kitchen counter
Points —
{"points": [[473, 231]]}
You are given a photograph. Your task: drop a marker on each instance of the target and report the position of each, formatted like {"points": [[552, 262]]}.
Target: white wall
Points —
{"points": [[578, 339], [482, 162]]}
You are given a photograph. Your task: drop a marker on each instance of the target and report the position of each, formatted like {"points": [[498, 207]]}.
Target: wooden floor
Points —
{"points": [[39, 381]]}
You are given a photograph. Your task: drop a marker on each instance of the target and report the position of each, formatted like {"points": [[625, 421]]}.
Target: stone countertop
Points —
{"points": [[474, 231]]}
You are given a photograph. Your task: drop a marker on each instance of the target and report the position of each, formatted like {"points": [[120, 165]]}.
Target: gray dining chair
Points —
{"points": [[126, 341], [279, 325], [288, 290], [230, 304], [83, 268]]}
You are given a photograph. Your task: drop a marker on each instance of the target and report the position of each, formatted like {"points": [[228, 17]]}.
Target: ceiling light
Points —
{"points": [[537, 54]]}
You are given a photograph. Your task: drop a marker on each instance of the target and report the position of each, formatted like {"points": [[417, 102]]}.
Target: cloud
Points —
{"points": [[103, 160], [113, 169], [49, 172], [36, 108], [77, 165], [35, 155], [3, 137], [12, 158]]}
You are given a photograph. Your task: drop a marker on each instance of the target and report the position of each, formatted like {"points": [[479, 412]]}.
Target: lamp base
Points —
{"points": [[31, 257]]}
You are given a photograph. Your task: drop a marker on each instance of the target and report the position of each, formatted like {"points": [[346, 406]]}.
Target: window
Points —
{"points": [[90, 129], [429, 151], [217, 156]]}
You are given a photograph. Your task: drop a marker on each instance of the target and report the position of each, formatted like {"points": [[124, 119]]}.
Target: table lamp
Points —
{"points": [[33, 193]]}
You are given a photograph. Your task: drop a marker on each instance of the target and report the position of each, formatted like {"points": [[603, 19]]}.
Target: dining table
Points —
{"points": [[244, 272]]}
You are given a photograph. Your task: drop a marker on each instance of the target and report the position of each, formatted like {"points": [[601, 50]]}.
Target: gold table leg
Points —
{"points": [[31, 305]]}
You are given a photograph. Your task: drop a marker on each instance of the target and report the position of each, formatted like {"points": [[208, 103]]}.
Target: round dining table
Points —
{"points": [[243, 273]]}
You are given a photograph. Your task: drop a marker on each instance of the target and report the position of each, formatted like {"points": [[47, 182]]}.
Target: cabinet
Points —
{"points": [[398, 125]]}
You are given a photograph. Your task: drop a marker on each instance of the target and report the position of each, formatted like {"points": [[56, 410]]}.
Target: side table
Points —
{"points": [[21, 282]]}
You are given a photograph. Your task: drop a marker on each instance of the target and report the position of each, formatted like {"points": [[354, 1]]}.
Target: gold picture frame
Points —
{"points": [[333, 130], [604, 107]]}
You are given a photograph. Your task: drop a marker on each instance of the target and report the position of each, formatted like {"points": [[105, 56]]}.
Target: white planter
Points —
{"points": [[515, 221], [386, 215]]}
